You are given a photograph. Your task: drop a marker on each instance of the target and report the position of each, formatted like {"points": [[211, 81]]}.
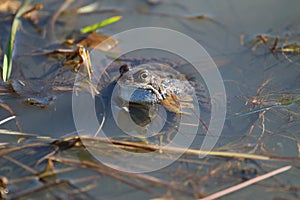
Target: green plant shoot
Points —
{"points": [[7, 60], [101, 24]]}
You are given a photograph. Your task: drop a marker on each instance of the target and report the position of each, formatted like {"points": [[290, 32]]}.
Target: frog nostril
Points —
{"points": [[123, 69]]}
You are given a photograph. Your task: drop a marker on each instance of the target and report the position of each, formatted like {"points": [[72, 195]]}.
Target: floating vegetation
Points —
{"points": [[287, 45], [59, 159]]}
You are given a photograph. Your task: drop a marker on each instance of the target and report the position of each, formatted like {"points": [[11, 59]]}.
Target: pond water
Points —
{"points": [[240, 37]]}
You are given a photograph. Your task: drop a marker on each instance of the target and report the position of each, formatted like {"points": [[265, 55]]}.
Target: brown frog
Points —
{"points": [[148, 85], [156, 84]]}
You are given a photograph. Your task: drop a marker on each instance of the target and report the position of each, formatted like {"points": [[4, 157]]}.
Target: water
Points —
{"points": [[273, 132]]}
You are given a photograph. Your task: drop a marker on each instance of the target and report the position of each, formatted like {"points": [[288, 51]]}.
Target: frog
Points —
{"points": [[156, 84], [146, 86], [154, 92]]}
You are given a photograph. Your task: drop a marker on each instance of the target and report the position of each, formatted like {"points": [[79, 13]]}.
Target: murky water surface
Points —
{"points": [[248, 41]]}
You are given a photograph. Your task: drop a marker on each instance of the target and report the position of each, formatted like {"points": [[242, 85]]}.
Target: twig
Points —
{"points": [[118, 175], [12, 149], [25, 167], [11, 112], [50, 35]]}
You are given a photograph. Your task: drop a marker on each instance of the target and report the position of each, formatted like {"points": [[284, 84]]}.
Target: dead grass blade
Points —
{"points": [[16, 133], [195, 152], [246, 183], [7, 119], [119, 175]]}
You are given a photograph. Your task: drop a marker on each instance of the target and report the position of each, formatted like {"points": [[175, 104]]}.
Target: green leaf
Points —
{"points": [[101, 24], [5, 67], [7, 61]]}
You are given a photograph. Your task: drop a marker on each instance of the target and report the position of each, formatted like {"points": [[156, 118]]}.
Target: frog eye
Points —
{"points": [[144, 75]]}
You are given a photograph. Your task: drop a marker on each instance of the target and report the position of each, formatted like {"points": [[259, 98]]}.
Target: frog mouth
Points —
{"points": [[139, 95]]}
